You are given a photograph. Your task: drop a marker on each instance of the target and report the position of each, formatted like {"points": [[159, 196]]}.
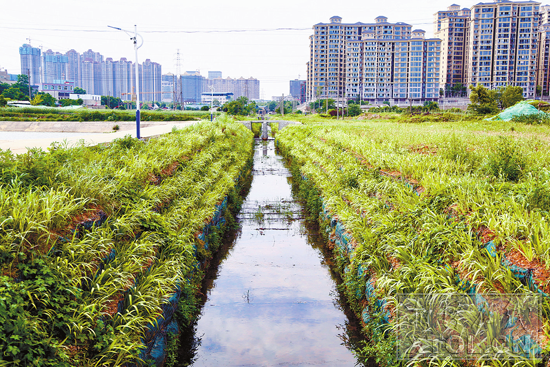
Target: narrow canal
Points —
{"points": [[273, 299]]}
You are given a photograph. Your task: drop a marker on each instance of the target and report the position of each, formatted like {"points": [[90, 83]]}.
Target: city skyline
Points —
{"points": [[274, 57]]}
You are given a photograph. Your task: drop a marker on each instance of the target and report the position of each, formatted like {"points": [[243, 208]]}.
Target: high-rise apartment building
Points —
{"points": [[31, 63], [74, 67], [543, 70], [108, 77], [398, 69], [192, 86], [214, 74], [241, 87], [503, 44], [124, 79], [54, 67], [88, 76], [372, 61], [452, 26], [168, 82], [152, 81], [297, 89]]}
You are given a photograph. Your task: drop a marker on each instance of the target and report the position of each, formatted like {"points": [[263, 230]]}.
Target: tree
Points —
{"points": [[287, 107], [354, 110], [3, 101], [78, 90], [3, 87], [241, 106], [110, 102], [71, 102], [430, 106], [511, 95], [205, 108], [15, 94], [458, 90], [322, 104], [483, 100], [22, 84], [43, 99]]}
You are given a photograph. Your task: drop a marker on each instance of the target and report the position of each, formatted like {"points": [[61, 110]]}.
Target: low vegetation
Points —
{"points": [[97, 243], [55, 114], [444, 208]]}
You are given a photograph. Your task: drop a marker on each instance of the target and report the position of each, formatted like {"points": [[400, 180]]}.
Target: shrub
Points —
{"points": [[506, 160], [532, 119]]}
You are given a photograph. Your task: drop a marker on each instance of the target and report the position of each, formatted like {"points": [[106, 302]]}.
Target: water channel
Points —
{"points": [[271, 298]]}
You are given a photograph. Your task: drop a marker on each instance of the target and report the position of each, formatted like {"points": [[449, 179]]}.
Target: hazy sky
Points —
{"points": [[237, 37]]}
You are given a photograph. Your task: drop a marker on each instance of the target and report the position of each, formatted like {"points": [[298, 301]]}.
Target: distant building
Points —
{"points": [[214, 75], [543, 72], [502, 45], [152, 81], [168, 82], [31, 63], [298, 90], [124, 78], [54, 66], [452, 26], [88, 76], [372, 61], [88, 99], [74, 67], [108, 77], [192, 86], [5, 77], [59, 89], [221, 97], [249, 88]]}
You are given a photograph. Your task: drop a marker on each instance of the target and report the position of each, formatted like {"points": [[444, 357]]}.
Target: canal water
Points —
{"points": [[273, 299]]}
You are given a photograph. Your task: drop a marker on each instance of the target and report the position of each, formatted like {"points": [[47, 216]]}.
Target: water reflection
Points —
{"points": [[273, 301]]}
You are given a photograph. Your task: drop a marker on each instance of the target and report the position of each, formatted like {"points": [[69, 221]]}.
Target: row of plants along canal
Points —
{"points": [[104, 248]]}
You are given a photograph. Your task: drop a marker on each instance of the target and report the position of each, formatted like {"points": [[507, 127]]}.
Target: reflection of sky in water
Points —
{"points": [[272, 303]]}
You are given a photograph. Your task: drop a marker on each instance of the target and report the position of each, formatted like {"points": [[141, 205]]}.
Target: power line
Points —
{"points": [[166, 31]]}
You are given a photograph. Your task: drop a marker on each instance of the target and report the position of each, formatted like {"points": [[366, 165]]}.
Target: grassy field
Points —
{"points": [[102, 247], [58, 114], [428, 210]]}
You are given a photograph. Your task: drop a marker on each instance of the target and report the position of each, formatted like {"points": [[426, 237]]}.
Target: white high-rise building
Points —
{"points": [[503, 45], [372, 61]]}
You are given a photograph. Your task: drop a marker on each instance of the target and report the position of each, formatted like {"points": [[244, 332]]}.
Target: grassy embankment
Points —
{"points": [[101, 246], [458, 207], [55, 114]]}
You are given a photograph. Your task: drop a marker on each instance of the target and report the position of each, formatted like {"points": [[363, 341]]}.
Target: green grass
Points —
{"points": [[53, 114], [420, 201], [62, 282]]}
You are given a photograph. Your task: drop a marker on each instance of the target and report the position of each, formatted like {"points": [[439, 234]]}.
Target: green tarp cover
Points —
{"points": [[519, 109]]}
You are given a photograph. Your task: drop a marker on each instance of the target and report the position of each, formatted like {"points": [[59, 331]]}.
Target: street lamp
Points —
{"points": [[138, 117], [211, 101]]}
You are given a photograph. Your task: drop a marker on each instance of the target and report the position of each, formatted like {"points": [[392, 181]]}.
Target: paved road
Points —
{"points": [[21, 146]]}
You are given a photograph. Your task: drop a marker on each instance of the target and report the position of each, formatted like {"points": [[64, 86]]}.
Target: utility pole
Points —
{"points": [[211, 102], [179, 91], [136, 47], [29, 77]]}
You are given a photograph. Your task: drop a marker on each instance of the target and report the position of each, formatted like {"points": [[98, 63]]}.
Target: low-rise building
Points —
{"points": [[221, 97], [59, 89], [90, 100]]}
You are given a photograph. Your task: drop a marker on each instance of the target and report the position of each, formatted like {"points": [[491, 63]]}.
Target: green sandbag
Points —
{"points": [[523, 108]]}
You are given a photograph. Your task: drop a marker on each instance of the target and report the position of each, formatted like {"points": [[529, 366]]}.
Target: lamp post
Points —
{"points": [[136, 47]]}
